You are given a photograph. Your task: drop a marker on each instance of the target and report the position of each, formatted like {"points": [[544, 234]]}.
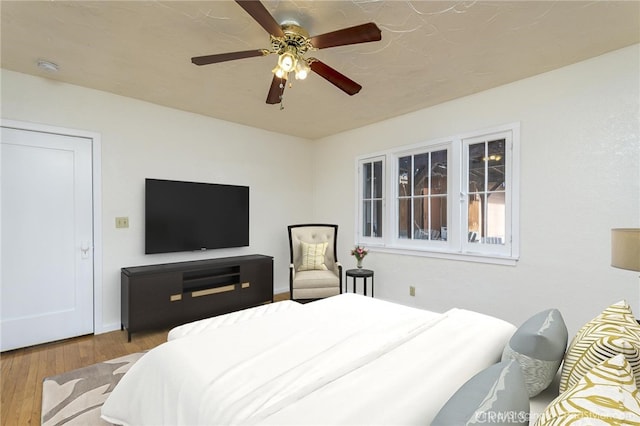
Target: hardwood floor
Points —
{"points": [[24, 369]]}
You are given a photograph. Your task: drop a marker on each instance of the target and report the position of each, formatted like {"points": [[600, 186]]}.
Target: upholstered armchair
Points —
{"points": [[314, 271]]}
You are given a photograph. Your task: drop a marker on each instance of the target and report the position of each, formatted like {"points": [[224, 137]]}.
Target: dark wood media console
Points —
{"points": [[170, 294]]}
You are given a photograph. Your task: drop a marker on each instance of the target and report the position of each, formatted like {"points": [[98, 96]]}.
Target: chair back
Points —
{"points": [[313, 234]]}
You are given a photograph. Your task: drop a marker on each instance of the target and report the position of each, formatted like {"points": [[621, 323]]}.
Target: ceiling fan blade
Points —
{"points": [[261, 16], [223, 57], [359, 34], [339, 80], [276, 90]]}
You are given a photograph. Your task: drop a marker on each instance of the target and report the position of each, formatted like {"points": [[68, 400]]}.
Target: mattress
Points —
{"points": [[347, 359]]}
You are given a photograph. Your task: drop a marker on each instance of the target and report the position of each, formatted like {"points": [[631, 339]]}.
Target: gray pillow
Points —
{"points": [[538, 346], [496, 395]]}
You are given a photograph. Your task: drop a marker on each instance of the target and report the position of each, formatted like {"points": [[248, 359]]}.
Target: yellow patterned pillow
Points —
{"points": [[313, 256], [606, 395], [614, 331]]}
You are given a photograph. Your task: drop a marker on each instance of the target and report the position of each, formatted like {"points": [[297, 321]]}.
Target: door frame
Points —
{"points": [[96, 173]]}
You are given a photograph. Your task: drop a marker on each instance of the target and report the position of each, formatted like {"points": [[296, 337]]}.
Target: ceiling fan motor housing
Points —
{"points": [[294, 37]]}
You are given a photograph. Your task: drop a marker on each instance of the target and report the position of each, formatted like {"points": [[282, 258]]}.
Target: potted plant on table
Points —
{"points": [[359, 253]]}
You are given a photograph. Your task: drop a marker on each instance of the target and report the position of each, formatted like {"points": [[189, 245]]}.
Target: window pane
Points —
{"points": [[366, 180], [421, 219], [476, 214], [476, 167], [377, 179], [438, 218], [421, 174], [377, 218], [495, 152], [496, 218], [495, 165], [439, 172], [487, 218], [404, 176], [366, 218], [404, 218]]}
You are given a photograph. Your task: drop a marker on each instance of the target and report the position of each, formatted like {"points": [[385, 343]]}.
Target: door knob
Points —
{"points": [[84, 249]]}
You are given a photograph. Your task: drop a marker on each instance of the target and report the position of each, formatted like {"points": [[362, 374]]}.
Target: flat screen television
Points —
{"points": [[187, 216]]}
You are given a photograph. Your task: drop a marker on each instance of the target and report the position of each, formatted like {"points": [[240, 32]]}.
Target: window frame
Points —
{"points": [[360, 238], [456, 246], [488, 249], [411, 243]]}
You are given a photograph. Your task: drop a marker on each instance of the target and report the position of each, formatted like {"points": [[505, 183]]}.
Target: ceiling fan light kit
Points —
{"points": [[291, 42], [302, 70]]}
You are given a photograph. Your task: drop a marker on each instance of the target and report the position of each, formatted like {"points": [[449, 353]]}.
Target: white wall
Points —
{"points": [[142, 140], [580, 177]]}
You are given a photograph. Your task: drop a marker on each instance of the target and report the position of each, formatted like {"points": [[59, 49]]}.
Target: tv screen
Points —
{"points": [[186, 216]]}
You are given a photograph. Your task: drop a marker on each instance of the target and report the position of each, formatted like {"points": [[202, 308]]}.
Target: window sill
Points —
{"points": [[492, 259]]}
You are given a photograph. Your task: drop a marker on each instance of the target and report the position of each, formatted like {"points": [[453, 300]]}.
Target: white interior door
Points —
{"points": [[46, 258]]}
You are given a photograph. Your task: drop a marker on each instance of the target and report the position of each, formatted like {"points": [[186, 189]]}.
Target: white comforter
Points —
{"points": [[208, 324], [342, 360]]}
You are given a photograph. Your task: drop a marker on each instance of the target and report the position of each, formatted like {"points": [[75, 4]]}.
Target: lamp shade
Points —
{"points": [[625, 248]]}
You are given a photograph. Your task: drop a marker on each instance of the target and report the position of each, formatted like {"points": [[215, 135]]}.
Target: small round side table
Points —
{"points": [[359, 273]]}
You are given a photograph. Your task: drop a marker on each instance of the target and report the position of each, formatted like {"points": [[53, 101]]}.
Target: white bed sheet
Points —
{"points": [[347, 359]]}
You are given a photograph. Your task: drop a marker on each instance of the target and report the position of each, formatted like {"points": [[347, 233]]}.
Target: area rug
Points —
{"points": [[75, 397]]}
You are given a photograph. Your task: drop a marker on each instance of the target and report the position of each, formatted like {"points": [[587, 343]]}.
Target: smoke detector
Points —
{"points": [[47, 66]]}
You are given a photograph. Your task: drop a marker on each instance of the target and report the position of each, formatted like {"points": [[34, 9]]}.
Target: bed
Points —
{"points": [[346, 359]]}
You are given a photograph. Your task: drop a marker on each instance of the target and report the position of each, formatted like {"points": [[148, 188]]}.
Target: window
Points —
{"points": [[450, 198], [422, 196], [371, 205], [486, 200]]}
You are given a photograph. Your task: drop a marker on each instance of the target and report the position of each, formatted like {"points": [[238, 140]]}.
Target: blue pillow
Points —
{"points": [[497, 395], [539, 345]]}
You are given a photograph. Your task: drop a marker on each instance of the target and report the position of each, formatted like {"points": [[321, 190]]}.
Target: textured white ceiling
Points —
{"points": [[430, 52]]}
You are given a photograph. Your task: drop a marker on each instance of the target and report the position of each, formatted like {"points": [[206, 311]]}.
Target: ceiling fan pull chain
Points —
{"points": [[282, 86]]}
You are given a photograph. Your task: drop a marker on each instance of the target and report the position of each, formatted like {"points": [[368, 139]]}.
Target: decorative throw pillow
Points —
{"points": [[538, 345], [606, 395], [313, 256], [612, 332], [496, 395]]}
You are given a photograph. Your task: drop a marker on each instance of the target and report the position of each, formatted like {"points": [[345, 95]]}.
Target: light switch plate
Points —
{"points": [[122, 222]]}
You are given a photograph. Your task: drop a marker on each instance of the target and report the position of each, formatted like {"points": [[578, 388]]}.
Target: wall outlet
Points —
{"points": [[412, 291], [122, 222]]}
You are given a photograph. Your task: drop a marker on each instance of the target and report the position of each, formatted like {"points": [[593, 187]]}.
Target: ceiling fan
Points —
{"points": [[291, 42]]}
